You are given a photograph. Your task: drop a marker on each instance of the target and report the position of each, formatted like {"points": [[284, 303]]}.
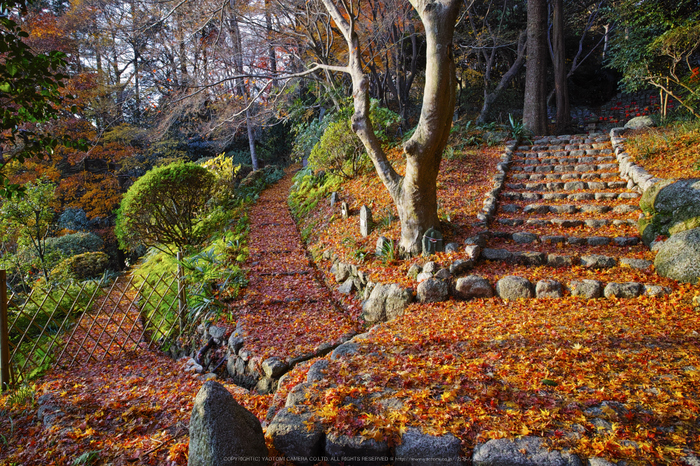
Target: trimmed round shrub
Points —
{"points": [[167, 208], [81, 267]]}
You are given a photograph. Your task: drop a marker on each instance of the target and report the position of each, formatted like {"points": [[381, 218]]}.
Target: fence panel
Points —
{"points": [[78, 323]]}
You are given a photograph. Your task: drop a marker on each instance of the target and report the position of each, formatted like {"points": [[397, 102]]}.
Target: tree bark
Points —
{"points": [[535, 105], [559, 62], [415, 194]]}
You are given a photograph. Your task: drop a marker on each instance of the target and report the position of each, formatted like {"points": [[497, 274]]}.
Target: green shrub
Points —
{"points": [[81, 267], [75, 243], [308, 189], [339, 151], [167, 208]]}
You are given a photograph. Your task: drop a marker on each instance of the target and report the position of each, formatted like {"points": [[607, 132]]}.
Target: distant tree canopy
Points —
{"points": [[29, 91], [166, 208]]}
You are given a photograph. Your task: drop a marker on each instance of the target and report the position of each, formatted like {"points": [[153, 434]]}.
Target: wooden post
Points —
{"points": [[4, 335], [181, 298]]}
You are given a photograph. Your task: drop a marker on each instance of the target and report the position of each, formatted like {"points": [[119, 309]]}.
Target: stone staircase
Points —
{"points": [[561, 202]]}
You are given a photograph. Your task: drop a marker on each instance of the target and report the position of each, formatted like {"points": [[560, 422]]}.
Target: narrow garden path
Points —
{"points": [[286, 311]]}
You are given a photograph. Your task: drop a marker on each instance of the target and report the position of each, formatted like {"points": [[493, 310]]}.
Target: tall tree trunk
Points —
{"points": [[535, 105], [415, 194], [559, 62]]}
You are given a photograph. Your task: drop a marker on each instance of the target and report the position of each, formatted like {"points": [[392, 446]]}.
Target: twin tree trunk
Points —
{"points": [[415, 193]]}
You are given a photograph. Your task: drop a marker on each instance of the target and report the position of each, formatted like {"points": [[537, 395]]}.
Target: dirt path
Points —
{"points": [[286, 311]]}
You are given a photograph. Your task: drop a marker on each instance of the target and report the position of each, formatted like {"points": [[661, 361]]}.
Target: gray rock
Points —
{"points": [[472, 251], [431, 267], [460, 266], [353, 451], [235, 343], [414, 270], [640, 122], [656, 290], [560, 260], [291, 435], [347, 287], [640, 264], [588, 289], [626, 241], [473, 286], [548, 288], [530, 258], [594, 209], [525, 237], [366, 222], [574, 186], [524, 451], [423, 276], [298, 393], [563, 209], [333, 199], [513, 287], [386, 302], [221, 429], [432, 290], [541, 209], [344, 209], [596, 223], [598, 261], [342, 272], [679, 257], [217, 333], [478, 240], [598, 241], [443, 274], [623, 290], [274, 367], [496, 254], [265, 385], [344, 350], [317, 371], [552, 239], [596, 461], [510, 208], [451, 247], [427, 450]]}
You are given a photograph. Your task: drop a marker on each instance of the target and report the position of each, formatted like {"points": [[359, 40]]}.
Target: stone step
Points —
{"points": [[563, 156], [540, 259], [560, 196], [539, 158], [567, 168], [609, 177], [526, 237], [565, 222], [568, 208]]}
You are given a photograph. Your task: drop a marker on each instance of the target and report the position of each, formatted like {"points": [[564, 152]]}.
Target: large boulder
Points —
{"points": [[221, 429], [679, 257], [352, 451], [386, 302], [422, 449], [524, 451], [296, 435], [669, 207]]}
